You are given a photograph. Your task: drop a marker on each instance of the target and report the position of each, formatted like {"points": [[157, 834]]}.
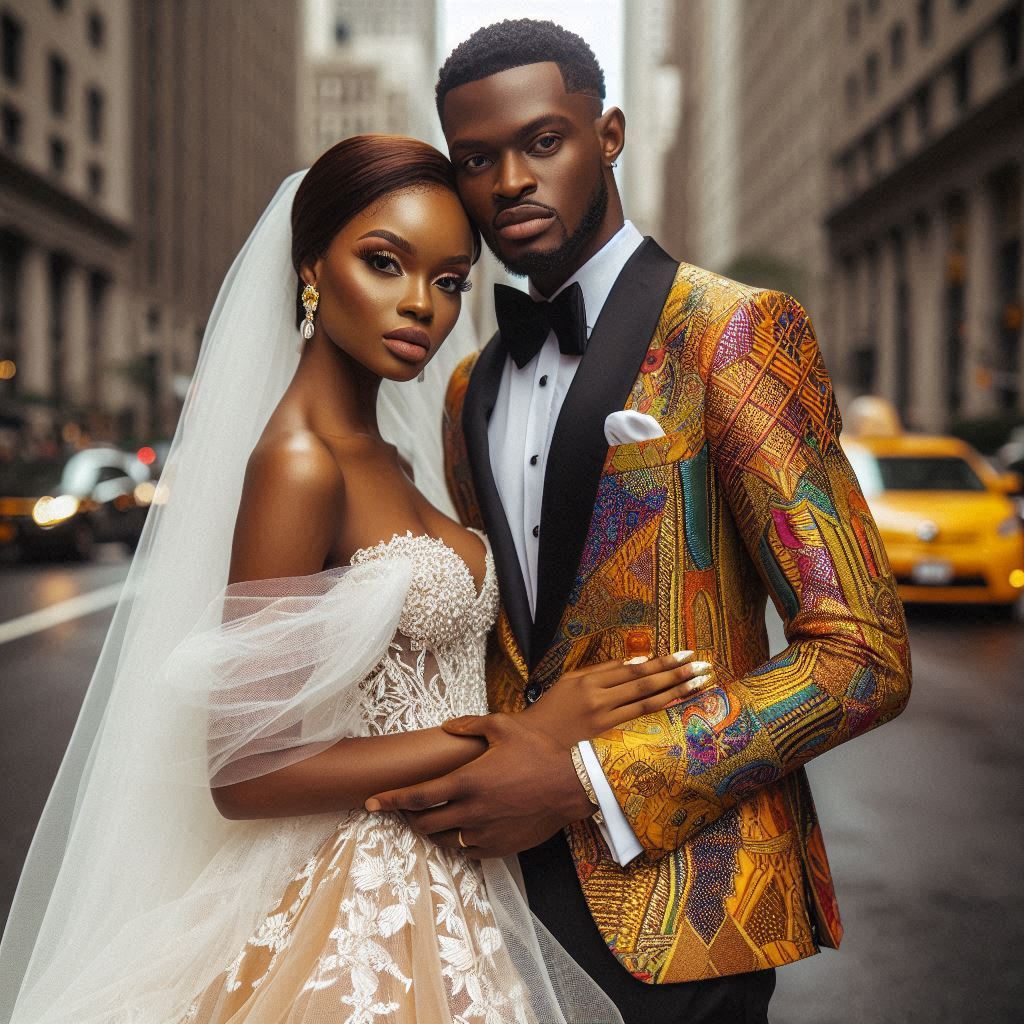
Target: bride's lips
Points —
{"points": [[410, 344], [519, 223]]}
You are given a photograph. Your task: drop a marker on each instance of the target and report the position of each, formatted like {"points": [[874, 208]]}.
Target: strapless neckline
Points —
{"points": [[382, 547]]}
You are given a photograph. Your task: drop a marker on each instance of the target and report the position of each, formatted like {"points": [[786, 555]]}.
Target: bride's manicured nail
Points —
{"points": [[638, 660], [372, 804], [699, 682], [700, 668], [682, 655]]}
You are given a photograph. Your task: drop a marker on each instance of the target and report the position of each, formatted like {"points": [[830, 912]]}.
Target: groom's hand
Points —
{"points": [[518, 793]]}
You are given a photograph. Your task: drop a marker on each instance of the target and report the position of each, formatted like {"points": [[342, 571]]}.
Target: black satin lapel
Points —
{"points": [[618, 344], [476, 412]]}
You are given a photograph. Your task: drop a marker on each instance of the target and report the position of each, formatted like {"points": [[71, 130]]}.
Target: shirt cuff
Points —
{"points": [[620, 838]]}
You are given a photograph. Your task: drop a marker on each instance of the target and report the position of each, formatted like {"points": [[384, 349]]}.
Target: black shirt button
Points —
{"points": [[533, 460], [536, 531], [543, 381], [533, 693]]}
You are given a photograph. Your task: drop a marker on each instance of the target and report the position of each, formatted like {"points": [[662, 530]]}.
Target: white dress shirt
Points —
{"points": [[519, 439]]}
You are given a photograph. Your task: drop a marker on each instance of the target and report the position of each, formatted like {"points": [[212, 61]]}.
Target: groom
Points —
{"points": [[652, 449]]}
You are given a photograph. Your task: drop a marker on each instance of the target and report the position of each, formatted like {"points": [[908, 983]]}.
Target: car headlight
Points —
{"points": [[144, 493], [1009, 527], [51, 511]]}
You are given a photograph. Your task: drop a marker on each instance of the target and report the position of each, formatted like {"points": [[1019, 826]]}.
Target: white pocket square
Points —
{"points": [[628, 426]]}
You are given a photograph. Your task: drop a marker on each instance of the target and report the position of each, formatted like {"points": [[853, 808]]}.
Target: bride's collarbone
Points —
{"points": [[381, 502]]}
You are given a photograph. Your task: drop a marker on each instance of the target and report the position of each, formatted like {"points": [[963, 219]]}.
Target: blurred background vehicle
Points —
{"points": [[64, 507], [1011, 454], [950, 528]]}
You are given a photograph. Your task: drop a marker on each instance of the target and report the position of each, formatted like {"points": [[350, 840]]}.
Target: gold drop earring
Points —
{"points": [[310, 300]]}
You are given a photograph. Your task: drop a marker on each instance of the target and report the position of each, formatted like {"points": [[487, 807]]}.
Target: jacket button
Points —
{"points": [[533, 460], [543, 381], [533, 693], [536, 531]]}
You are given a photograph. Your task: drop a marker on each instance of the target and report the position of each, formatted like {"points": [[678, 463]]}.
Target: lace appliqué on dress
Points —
{"points": [[382, 924]]}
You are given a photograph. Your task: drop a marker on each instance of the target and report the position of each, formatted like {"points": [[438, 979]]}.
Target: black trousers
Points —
{"points": [[556, 898]]}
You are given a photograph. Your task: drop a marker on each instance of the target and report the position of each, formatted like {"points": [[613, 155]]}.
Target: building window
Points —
{"points": [[96, 29], [897, 45], [961, 71], [925, 21], [871, 74], [94, 106], [59, 5], [923, 109], [1007, 202], [13, 42], [852, 93], [58, 85], [95, 180], [342, 33], [902, 325], [1009, 27], [874, 6], [848, 169], [894, 127], [961, 5], [58, 155], [862, 368], [852, 21], [871, 153], [956, 258], [12, 124]]}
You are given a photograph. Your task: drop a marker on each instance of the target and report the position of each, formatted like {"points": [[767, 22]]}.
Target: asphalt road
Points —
{"points": [[923, 819]]}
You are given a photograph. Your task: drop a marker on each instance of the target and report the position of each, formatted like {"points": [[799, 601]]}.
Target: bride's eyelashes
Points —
{"points": [[386, 262], [454, 284], [383, 261]]}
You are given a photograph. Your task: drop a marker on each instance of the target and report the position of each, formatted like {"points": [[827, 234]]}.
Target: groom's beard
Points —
{"points": [[541, 264]]}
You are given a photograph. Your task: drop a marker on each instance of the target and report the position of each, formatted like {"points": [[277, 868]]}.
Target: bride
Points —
{"points": [[298, 623]]}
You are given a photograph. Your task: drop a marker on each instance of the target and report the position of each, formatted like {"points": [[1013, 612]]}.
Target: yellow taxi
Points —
{"points": [[950, 528]]}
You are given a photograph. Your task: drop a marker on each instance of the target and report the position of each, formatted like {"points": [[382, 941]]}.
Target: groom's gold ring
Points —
{"points": [[462, 842]]}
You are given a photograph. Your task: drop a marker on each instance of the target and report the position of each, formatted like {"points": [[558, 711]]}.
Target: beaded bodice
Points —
{"points": [[434, 669]]}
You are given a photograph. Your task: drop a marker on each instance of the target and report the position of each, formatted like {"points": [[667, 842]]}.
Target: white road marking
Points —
{"points": [[62, 611]]}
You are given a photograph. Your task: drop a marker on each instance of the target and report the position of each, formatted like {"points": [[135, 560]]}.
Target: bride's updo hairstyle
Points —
{"points": [[350, 177]]}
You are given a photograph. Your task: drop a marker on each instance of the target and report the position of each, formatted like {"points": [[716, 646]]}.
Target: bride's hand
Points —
{"points": [[588, 701]]}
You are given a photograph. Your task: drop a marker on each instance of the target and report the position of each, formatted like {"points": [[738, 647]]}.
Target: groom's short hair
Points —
{"points": [[514, 43]]}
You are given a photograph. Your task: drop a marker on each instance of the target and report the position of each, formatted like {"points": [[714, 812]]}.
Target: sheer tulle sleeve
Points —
{"points": [[276, 666]]}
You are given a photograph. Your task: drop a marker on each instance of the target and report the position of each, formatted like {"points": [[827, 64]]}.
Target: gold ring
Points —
{"points": [[462, 842]]}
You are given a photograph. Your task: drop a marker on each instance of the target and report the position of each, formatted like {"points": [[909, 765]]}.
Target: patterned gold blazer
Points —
{"points": [[675, 543]]}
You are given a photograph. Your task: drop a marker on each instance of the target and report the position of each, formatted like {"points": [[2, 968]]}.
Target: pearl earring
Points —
{"points": [[310, 300]]}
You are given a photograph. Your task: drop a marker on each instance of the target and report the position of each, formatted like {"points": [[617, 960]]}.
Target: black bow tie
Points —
{"points": [[524, 324]]}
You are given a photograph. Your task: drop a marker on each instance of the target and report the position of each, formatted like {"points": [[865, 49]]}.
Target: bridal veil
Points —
{"points": [[136, 891]]}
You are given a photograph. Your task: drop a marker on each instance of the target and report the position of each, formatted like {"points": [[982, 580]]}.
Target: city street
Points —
{"points": [[923, 819]]}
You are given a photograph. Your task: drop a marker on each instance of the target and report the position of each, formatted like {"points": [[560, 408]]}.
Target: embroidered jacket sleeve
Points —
{"points": [[780, 475]]}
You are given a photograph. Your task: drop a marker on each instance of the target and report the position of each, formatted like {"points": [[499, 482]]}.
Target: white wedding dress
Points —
{"points": [[380, 924], [139, 903]]}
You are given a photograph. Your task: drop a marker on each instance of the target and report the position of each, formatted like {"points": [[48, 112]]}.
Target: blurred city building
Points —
{"points": [[747, 181], [651, 103], [926, 216], [140, 141], [368, 67], [866, 155], [65, 207], [214, 136]]}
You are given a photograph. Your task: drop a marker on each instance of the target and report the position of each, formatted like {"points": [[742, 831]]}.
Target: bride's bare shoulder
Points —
{"points": [[290, 510], [294, 458]]}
